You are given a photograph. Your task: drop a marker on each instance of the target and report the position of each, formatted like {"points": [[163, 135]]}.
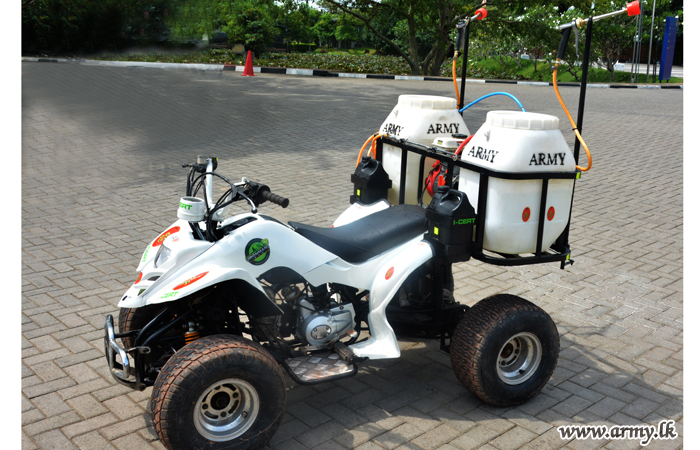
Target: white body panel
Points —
{"points": [[194, 265], [358, 211]]}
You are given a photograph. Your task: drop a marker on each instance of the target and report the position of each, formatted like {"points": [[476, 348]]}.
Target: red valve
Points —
{"points": [[633, 8], [481, 13]]}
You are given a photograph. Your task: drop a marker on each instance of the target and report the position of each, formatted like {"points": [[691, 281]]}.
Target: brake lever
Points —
{"points": [[254, 209]]}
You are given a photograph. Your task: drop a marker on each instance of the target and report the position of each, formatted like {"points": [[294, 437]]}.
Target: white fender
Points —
{"points": [[391, 275], [358, 211], [227, 260]]}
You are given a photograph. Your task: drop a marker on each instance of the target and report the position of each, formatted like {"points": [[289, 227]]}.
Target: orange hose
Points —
{"points": [[373, 147], [454, 78], [573, 124], [362, 150]]}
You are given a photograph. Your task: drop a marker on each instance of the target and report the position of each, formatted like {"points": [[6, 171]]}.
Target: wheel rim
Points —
{"points": [[226, 410], [519, 358]]}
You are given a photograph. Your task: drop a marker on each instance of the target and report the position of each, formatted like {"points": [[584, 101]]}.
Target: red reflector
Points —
{"points": [[190, 281], [162, 237], [138, 278], [526, 214], [550, 213]]}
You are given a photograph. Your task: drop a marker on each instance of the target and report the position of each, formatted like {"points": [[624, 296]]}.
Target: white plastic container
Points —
{"points": [[520, 142], [420, 119]]}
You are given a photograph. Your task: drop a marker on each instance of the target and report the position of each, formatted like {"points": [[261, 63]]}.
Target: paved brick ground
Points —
{"points": [[101, 177]]}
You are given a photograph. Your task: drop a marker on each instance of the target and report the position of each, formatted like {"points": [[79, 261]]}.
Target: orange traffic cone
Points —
{"points": [[248, 71]]}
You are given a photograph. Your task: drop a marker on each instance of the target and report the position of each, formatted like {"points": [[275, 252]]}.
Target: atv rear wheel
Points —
{"points": [[218, 392], [505, 350]]}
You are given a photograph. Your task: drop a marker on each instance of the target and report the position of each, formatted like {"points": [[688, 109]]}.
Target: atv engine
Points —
{"points": [[323, 326]]}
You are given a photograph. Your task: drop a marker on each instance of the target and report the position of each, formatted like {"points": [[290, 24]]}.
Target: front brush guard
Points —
{"points": [[130, 369], [123, 370]]}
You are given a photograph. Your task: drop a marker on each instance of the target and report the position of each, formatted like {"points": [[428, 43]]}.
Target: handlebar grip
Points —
{"points": [[563, 43], [276, 199]]}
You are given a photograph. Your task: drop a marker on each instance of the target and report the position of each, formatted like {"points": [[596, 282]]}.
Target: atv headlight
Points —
{"points": [[162, 257]]}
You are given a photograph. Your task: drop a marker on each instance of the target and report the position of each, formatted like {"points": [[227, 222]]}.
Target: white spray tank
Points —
{"points": [[519, 142], [420, 119]]}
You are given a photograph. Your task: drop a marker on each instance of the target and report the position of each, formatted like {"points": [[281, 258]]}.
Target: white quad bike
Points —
{"points": [[221, 306]]}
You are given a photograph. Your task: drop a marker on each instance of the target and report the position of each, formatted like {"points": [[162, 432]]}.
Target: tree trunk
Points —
{"points": [[444, 44], [410, 59]]}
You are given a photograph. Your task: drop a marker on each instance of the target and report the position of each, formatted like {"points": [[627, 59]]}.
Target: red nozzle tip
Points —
{"points": [[633, 8], [481, 12]]}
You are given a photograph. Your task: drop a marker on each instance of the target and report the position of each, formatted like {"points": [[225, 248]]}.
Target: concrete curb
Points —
{"points": [[321, 73]]}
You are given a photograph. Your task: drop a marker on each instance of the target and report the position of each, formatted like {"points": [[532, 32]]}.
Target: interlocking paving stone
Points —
{"points": [[101, 149]]}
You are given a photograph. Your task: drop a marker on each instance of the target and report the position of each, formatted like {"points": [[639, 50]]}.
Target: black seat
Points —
{"points": [[370, 236]]}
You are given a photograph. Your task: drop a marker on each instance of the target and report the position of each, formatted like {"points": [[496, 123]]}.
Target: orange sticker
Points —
{"points": [[190, 281], [389, 273], [550, 213], [162, 237], [526, 214], [138, 278]]}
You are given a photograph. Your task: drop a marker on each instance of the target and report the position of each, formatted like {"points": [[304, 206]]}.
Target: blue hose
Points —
{"points": [[492, 94]]}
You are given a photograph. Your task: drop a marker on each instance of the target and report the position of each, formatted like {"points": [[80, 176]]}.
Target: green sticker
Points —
{"points": [[257, 251], [145, 254], [168, 295]]}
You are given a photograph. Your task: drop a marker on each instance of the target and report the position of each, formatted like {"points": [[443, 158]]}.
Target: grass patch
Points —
{"points": [[492, 69], [355, 60]]}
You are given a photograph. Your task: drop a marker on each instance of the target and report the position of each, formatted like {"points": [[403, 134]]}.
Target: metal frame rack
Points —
{"points": [[558, 252]]}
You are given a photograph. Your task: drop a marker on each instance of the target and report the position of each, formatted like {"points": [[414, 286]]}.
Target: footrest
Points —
{"points": [[317, 368], [347, 354]]}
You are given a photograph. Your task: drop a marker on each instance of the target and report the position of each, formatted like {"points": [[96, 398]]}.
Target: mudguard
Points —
{"points": [[391, 274]]}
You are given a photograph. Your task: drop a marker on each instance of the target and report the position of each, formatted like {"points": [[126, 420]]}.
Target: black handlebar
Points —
{"points": [[563, 43], [274, 198], [201, 168]]}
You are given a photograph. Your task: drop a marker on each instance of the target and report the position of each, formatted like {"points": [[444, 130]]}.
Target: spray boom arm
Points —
{"points": [[632, 9]]}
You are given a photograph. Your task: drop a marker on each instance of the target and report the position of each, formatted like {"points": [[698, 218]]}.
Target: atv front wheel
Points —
{"points": [[218, 392], [135, 319], [505, 350]]}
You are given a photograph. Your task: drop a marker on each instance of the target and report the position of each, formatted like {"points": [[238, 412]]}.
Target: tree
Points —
{"points": [[298, 21], [77, 26], [436, 17], [324, 29], [249, 22]]}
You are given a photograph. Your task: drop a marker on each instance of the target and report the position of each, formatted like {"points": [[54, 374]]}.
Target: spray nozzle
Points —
{"points": [[633, 8]]}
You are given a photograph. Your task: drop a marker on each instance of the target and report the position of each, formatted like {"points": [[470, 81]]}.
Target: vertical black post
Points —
{"points": [[562, 243], [402, 181], [465, 57], [481, 214], [540, 216], [419, 198], [584, 83]]}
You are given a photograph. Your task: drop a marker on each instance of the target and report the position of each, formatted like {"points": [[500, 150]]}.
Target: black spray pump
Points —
{"points": [[371, 183], [451, 221]]}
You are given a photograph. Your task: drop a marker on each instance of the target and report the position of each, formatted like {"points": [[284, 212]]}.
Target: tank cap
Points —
{"points": [[427, 102], [522, 120]]}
